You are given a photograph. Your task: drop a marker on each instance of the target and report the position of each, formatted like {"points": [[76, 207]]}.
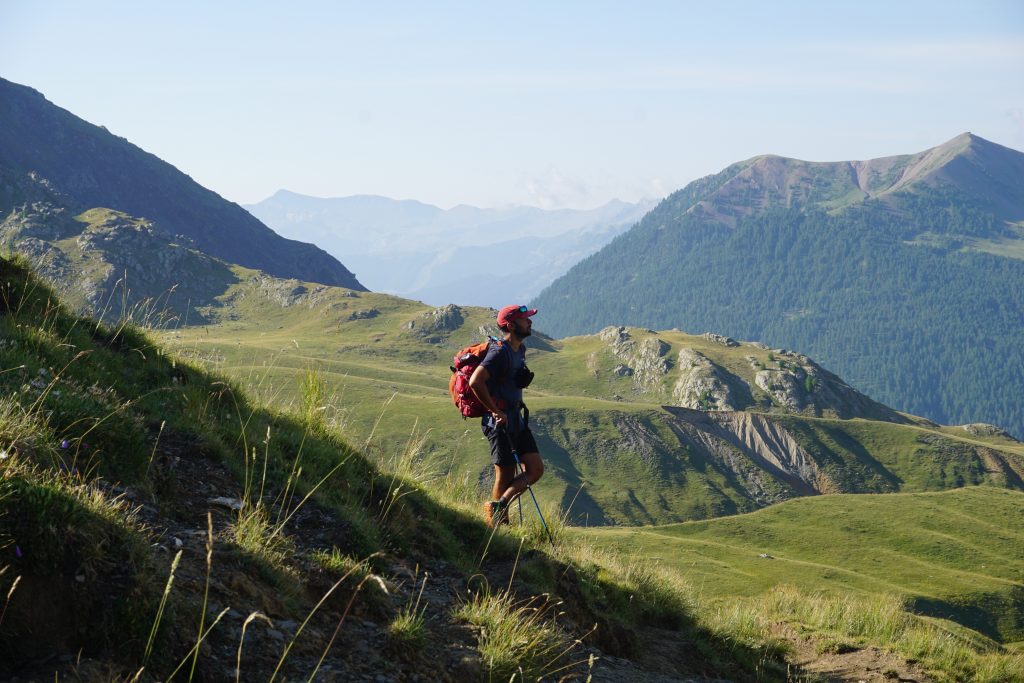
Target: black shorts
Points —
{"points": [[501, 444]]}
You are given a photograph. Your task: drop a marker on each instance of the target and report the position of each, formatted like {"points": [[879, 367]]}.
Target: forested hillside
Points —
{"points": [[916, 298]]}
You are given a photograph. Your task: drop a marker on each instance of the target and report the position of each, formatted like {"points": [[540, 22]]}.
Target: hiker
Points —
{"points": [[498, 382]]}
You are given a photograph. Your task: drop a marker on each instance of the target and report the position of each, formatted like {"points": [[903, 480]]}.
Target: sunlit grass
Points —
{"points": [[516, 637]]}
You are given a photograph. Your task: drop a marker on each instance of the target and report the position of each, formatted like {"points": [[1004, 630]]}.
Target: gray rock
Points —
{"points": [[783, 386], [700, 385], [645, 359], [225, 502], [365, 314], [985, 429], [719, 339]]}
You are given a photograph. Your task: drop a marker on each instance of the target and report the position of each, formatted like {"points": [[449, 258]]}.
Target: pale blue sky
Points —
{"points": [[550, 104]]}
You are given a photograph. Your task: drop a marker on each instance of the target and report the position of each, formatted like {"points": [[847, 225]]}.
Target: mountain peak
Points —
{"points": [[967, 164]]}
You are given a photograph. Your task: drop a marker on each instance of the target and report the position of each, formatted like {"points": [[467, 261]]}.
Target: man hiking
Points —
{"points": [[498, 382]]}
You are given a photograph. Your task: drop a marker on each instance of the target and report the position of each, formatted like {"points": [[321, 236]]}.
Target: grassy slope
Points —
{"points": [[956, 554]]}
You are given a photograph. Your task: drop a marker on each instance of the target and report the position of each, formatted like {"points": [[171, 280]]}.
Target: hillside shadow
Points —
{"points": [[53, 537], [577, 503], [863, 457], [1000, 616]]}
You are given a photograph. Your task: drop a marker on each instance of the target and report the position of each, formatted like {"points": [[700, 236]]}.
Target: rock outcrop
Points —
{"points": [[365, 314], [985, 429], [700, 385], [435, 325], [287, 293], [797, 383], [114, 260], [643, 360]]}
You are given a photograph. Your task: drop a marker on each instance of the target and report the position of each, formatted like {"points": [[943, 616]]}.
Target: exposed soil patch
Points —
{"points": [[843, 662]]}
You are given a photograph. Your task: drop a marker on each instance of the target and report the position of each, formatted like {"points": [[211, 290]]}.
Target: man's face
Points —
{"points": [[522, 327]]}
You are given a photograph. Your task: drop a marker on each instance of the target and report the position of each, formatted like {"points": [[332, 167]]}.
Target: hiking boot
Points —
{"points": [[495, 512]]}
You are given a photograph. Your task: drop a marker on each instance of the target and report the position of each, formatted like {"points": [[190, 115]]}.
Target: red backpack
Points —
{"points": [[465, 362]]}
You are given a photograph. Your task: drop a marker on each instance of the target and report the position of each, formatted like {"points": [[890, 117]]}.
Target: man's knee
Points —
{"points": [[504, 473], [534, 467]]}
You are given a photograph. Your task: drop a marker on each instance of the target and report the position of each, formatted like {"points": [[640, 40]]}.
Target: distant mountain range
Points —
{"points": [[905, 274], [465, 255], [54, 166]]}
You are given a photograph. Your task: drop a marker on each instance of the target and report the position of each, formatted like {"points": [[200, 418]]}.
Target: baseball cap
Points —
{"points": [[510, 313]]}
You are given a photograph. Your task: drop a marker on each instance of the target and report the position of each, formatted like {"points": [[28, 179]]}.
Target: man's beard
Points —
{"points": [[523, 334]]}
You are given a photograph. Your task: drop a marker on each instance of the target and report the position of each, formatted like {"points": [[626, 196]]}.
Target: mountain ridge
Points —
{"points": [[408, 247], [752, 184], [43, 144]]}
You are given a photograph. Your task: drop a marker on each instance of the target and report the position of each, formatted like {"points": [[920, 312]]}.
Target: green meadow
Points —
{"points": [[956, 555]]}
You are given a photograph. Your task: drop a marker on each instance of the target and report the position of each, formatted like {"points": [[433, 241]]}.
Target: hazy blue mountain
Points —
{"points": [[409, 248], [50, 157], [904, 274]]}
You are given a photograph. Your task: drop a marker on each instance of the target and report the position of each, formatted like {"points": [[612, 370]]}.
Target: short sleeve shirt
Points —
{"points": [[502, 364]]}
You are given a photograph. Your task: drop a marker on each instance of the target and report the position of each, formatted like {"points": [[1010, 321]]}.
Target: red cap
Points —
{"points": [[510, 313]]}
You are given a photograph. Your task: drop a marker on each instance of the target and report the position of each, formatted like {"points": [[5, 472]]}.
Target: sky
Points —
{"points": [[566, 104]]}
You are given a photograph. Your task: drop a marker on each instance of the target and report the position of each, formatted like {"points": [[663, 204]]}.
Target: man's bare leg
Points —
{"points": [[534, 471], [503, 476]]}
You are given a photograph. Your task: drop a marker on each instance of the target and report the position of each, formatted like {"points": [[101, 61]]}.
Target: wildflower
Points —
{"points": [[17, 551], [4, 454], [64, 444]]}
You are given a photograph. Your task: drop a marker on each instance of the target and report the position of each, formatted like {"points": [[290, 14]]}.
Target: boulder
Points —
{"points": [[365, 314], [719, 339]]}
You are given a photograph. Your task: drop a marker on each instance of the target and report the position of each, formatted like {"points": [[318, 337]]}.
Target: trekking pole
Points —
{"points": [[515, 454]]}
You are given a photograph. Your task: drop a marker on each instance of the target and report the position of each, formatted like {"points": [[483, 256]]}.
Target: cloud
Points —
{"points": [[554, 189]]}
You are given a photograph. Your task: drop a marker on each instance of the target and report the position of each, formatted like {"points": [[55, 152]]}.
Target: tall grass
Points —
{"points": [[408, 628], [313, 394], [517, 637]]}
